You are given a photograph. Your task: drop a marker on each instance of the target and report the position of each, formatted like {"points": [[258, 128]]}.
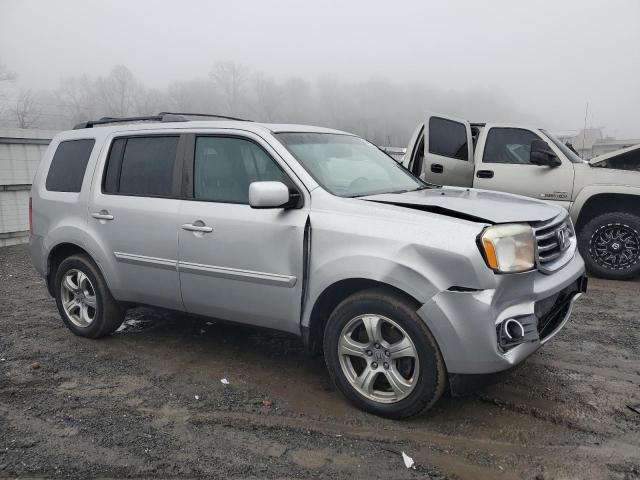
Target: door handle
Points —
{"points": [[197, 228], [484, 174], [102, 215], [437, 168]]}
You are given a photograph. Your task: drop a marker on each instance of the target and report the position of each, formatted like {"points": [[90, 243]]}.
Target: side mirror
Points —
{"points": [[541, 154], [268, 195]]}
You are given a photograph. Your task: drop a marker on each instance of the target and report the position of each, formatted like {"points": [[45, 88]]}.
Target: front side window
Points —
{"points": [[224, 167], [348, 166], [448, 138], [68, 165], [509, 145], [141, 166]]}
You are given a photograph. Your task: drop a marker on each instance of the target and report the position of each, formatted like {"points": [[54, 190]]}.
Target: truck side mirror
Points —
{"points": [[541, 154]]}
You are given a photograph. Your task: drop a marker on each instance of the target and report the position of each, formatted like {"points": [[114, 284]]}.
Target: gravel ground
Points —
{"points": [[149, 401]]}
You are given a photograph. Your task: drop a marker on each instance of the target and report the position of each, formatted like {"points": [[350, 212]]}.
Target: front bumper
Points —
{"points": [[465, 323]]}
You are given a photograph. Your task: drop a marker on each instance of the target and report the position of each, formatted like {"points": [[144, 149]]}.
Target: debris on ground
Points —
{"points": [[634, 408], [197, 397], [267, 403], [408, 461], [35, 366], [224, 381]]}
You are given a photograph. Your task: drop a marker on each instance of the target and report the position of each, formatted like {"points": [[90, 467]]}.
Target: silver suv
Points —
{"points": [[407, 288]]}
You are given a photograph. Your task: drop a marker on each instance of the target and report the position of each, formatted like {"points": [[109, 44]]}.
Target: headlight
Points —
{"points": [[509, 248]]}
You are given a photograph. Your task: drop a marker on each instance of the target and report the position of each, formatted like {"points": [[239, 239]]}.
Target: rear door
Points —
{"points": [[504, 165], [236, 262], [448, 151], [133, 217]]}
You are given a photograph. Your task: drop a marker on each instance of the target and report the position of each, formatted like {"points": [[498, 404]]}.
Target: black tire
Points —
{"points": [[590, 241], [432, 376], [108, 314]]}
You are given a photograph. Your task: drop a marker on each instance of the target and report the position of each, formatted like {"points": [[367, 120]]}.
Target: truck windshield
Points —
{"points": [[571, 155], [348, 166]]}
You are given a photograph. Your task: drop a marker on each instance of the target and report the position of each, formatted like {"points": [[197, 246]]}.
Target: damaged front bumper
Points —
{"points": [[469, 326]]}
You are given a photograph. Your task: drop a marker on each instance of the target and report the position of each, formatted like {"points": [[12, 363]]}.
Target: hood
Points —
{"points": [[472, 204], [624, 159]]}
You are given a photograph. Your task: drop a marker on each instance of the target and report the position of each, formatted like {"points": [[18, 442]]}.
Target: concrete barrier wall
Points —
{"points": [[20, 154]]}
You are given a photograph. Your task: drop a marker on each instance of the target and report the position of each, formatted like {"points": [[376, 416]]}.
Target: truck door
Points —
{"points": [[448, 151], [504, 166]]}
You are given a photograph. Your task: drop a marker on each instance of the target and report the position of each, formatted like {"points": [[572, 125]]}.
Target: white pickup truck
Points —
{"points": [[602, 195]]}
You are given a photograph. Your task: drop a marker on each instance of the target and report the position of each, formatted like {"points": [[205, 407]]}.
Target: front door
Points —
{"points": [[238, 263], [505, 167], [448, 151]]}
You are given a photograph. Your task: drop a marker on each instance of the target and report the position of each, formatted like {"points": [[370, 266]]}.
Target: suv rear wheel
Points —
{"points": [[610, 245], [382, 356], [84, 301]]}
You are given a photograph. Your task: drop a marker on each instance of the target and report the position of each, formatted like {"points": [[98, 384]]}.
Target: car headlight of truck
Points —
{"points": [[509, 248]]}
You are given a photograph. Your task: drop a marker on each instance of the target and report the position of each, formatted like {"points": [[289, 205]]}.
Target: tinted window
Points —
{"points": [[68, 165], [508, 145], [224, 167], [141, 166], [448, 138]]}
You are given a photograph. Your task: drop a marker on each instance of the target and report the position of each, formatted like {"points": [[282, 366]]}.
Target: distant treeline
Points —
{"points": [[383, 110]]}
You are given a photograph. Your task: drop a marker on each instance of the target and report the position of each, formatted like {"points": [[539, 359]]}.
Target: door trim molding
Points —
{"points": [[164, 263], [251, 276]]}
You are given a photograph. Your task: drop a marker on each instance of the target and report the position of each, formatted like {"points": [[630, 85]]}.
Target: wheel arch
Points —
{"points": [[57, 254], [590, 204], [328, 300]]}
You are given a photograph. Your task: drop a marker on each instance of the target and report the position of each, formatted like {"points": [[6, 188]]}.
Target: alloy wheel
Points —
{"points": [[378, 358], [615, 246], [78, 298]]}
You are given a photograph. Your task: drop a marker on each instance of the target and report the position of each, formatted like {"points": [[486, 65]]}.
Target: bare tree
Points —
{"points": [[267, 97], [6, 76], [231, 78], [78, 97], [116, 91], [27, 110]]}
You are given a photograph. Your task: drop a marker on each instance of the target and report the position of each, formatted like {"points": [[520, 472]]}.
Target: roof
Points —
{"points": [[171, 120]]}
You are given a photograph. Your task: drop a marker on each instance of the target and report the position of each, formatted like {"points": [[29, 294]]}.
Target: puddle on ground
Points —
{"points": [[140, 320]]}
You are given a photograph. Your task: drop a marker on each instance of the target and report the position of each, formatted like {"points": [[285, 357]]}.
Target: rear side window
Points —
{"points": [[68, 165], [448, 138], [141, 166]]}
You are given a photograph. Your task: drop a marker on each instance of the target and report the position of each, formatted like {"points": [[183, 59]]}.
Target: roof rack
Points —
{"points": [[161, 117], [225, 117]]}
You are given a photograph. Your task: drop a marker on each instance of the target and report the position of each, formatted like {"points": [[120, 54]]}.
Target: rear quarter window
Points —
{"points": [[68, 165]]}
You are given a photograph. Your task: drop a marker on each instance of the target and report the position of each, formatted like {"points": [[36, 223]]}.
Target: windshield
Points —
{"points": [[571, 155], [349, 166]]}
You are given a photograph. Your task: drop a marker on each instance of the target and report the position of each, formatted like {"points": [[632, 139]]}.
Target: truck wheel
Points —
{"points": [[610, 245], [382, 356], [84, 301]]}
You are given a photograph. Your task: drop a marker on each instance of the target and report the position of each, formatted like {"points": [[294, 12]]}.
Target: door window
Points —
{"points": [[141, 166], [448, 138], [509, 145], [224, 167]]}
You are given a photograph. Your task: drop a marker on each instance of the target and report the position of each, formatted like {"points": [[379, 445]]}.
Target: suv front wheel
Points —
{"points": [[382, 356], [83, 299]]}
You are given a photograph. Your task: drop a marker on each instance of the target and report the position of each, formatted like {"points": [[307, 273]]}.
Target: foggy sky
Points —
{"points": [[546, 57]]}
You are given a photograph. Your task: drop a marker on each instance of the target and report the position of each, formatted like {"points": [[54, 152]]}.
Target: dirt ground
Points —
{"points": [[149, 401]]}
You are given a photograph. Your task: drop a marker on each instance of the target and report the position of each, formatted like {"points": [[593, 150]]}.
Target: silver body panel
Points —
{"points": [[248, 265]]}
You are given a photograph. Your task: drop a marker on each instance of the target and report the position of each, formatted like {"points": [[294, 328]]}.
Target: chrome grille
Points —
{"points": [[552, 239]]}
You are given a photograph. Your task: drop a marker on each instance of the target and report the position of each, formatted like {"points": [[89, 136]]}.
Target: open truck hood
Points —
{"points": [[624, 159], [472, 204]]}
